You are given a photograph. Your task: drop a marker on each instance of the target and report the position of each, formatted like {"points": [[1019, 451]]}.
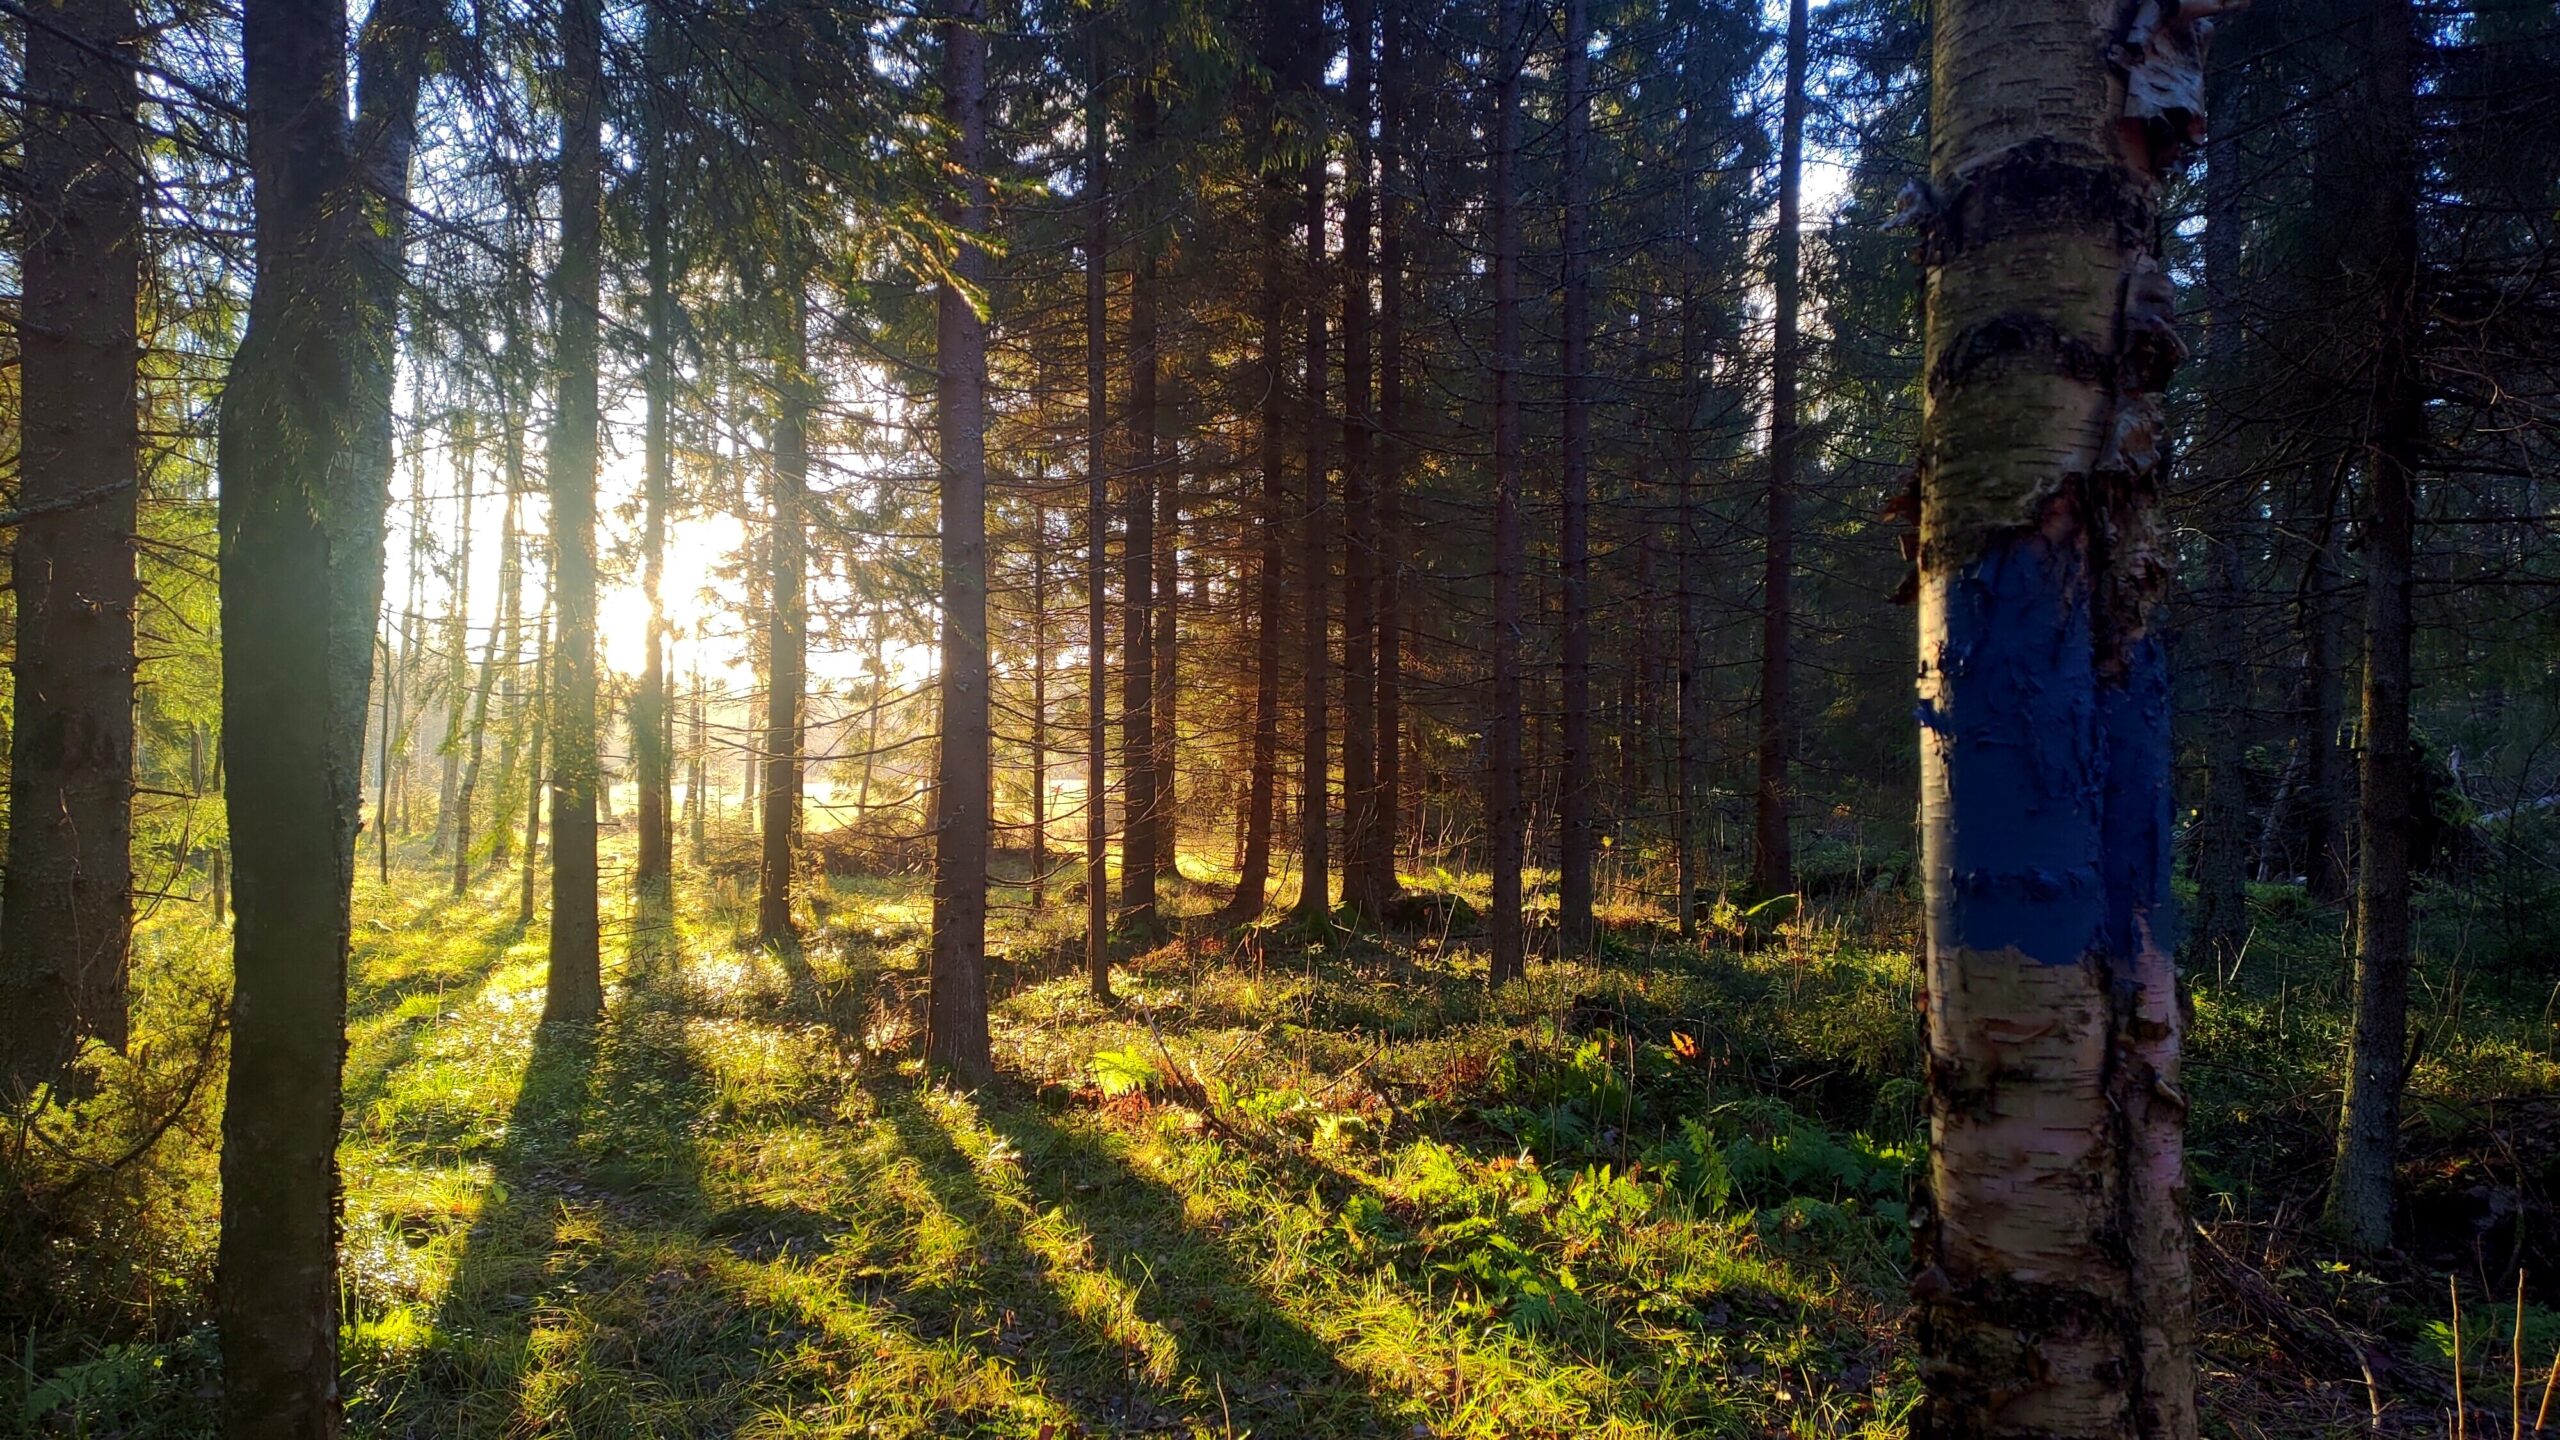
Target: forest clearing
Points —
{"points": [[1305, 719]]}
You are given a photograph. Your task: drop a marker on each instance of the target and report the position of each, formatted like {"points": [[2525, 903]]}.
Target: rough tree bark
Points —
{"points": [[1097, 520], [2328, 790], [535, 753], [1365, 874], [389, 694], [2360, 1190], [66, 920], [651, 714], [576, 987], [1138, 526], [956, 1010], [2221, 924], [1253, 874], [468, 788], [697, 795], [787, 627], [1388, 459], [1165, 693], [1039, 707], [1315, 590], [514, 688], [1773, 866], [304, 464], [2052, 1287], [1504, 820], [1579, 834], [457, 641], [513, 695], [1688, 760], [393, 812]]}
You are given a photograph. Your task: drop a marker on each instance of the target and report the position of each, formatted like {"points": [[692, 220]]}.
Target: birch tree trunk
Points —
{"points": [[2052, 1285]]}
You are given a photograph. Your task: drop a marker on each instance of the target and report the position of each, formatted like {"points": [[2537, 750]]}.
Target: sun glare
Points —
{"points": [[698, 549]]}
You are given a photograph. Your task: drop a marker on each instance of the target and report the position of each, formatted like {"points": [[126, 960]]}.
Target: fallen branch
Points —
{"points": [[2313, 1338], [1185, 1088]]}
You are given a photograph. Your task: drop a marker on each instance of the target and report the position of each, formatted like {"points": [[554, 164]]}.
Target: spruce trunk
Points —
{"points": [[2360, 1192], [1577, 832], [1772, 849], [66, 921], [956, 1009], [1504, 819], [576, 985]]}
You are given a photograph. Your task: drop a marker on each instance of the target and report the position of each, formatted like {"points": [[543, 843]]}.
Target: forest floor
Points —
{"points": [[1280, 1188]]}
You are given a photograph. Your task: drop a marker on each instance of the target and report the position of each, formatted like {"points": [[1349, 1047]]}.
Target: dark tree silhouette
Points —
{"points": [[66, 918]]}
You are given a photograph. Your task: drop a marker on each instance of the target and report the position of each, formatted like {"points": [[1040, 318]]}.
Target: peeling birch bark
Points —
{"points": [[2052, 1276]]}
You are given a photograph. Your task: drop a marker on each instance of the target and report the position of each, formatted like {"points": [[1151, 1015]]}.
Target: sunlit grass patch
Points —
{"points": [[1288, 1183], [736, 1206], [1344, 1190]]}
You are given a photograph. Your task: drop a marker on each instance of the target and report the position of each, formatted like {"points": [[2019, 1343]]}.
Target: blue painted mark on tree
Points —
{"points": [[2134, 713], [2018, 710]]}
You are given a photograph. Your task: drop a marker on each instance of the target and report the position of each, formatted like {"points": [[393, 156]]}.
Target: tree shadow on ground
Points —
{"points": [[584, 1298], [799, 979], [383, 1040], [1012, 1302], [1219, 1355], [504, 1278]]}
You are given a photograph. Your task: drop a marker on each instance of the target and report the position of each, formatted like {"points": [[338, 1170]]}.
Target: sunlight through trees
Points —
{"points": [[1050, 717]]}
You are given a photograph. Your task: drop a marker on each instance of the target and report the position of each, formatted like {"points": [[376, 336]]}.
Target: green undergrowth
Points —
{"points": [[1334, 1189], [1285, 1184], [1328, 1190], [2481, 1137]]}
